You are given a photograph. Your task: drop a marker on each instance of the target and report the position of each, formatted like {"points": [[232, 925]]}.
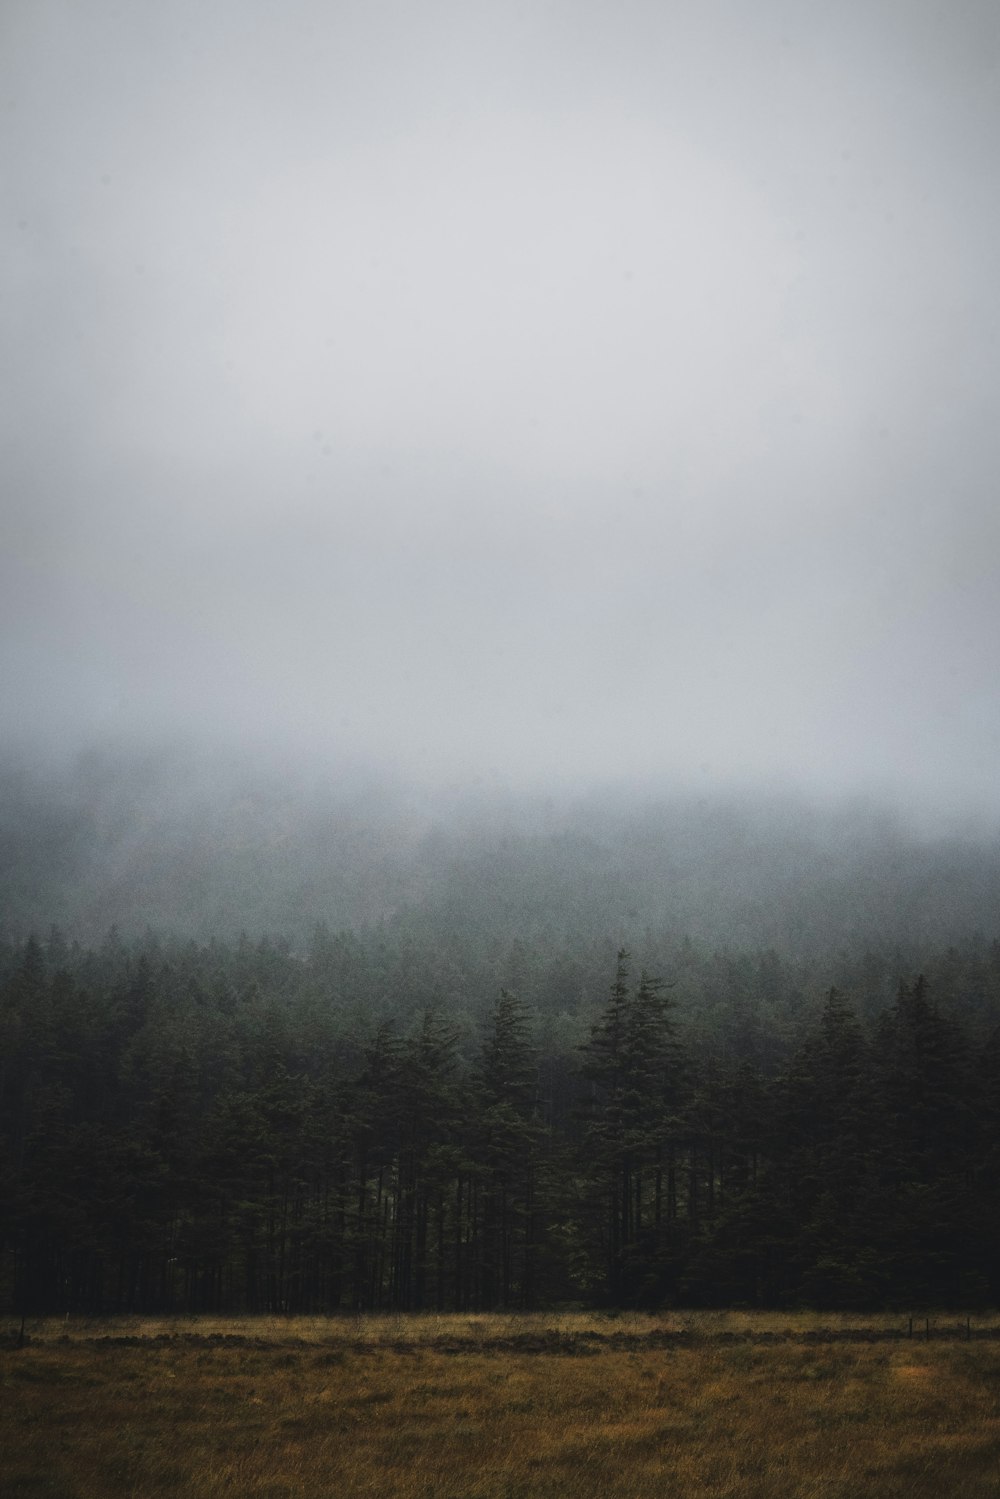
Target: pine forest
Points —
{"points": [[387, 1121]]}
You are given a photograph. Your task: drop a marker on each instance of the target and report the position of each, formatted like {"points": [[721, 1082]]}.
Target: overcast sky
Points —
{"points": [[564, 389]]}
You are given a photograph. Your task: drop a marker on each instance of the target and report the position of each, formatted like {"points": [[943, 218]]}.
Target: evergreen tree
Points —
{"points": [[631, 1062], [507, 1149], [924, 1081]]}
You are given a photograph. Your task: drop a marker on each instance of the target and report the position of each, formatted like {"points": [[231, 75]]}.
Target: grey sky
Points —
{"points": [[560, 390]]}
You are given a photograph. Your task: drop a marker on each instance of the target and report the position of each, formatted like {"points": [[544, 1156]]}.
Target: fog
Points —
{"points": [[543, 395]]}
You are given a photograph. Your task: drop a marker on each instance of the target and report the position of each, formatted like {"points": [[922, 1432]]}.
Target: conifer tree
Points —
{"points": [[923, 1082], [630, 1061], [507, 1148]]}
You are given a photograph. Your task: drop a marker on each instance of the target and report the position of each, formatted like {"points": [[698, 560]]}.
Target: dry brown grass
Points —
{"points": [[498, 1408]]}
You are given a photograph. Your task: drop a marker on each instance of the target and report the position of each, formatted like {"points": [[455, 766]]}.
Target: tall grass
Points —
{"points": [[497, 1408]]}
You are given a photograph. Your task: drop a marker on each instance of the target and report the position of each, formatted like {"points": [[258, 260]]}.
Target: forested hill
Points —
{"points": [[205, 849], [281, 1048], [204, 1129]]}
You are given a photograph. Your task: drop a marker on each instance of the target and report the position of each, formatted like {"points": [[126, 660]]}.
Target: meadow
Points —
{"points": [[478, 1407]]}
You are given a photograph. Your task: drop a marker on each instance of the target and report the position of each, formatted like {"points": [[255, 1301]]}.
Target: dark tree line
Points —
{"points": [[216, 1129]]}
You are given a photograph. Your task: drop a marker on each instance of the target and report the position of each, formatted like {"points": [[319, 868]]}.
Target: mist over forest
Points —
{"points": [[499, 711], [283, 1046], [207, 846]]}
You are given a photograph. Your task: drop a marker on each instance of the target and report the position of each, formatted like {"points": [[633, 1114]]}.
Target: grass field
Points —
{"points": [[504, 1408]]}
